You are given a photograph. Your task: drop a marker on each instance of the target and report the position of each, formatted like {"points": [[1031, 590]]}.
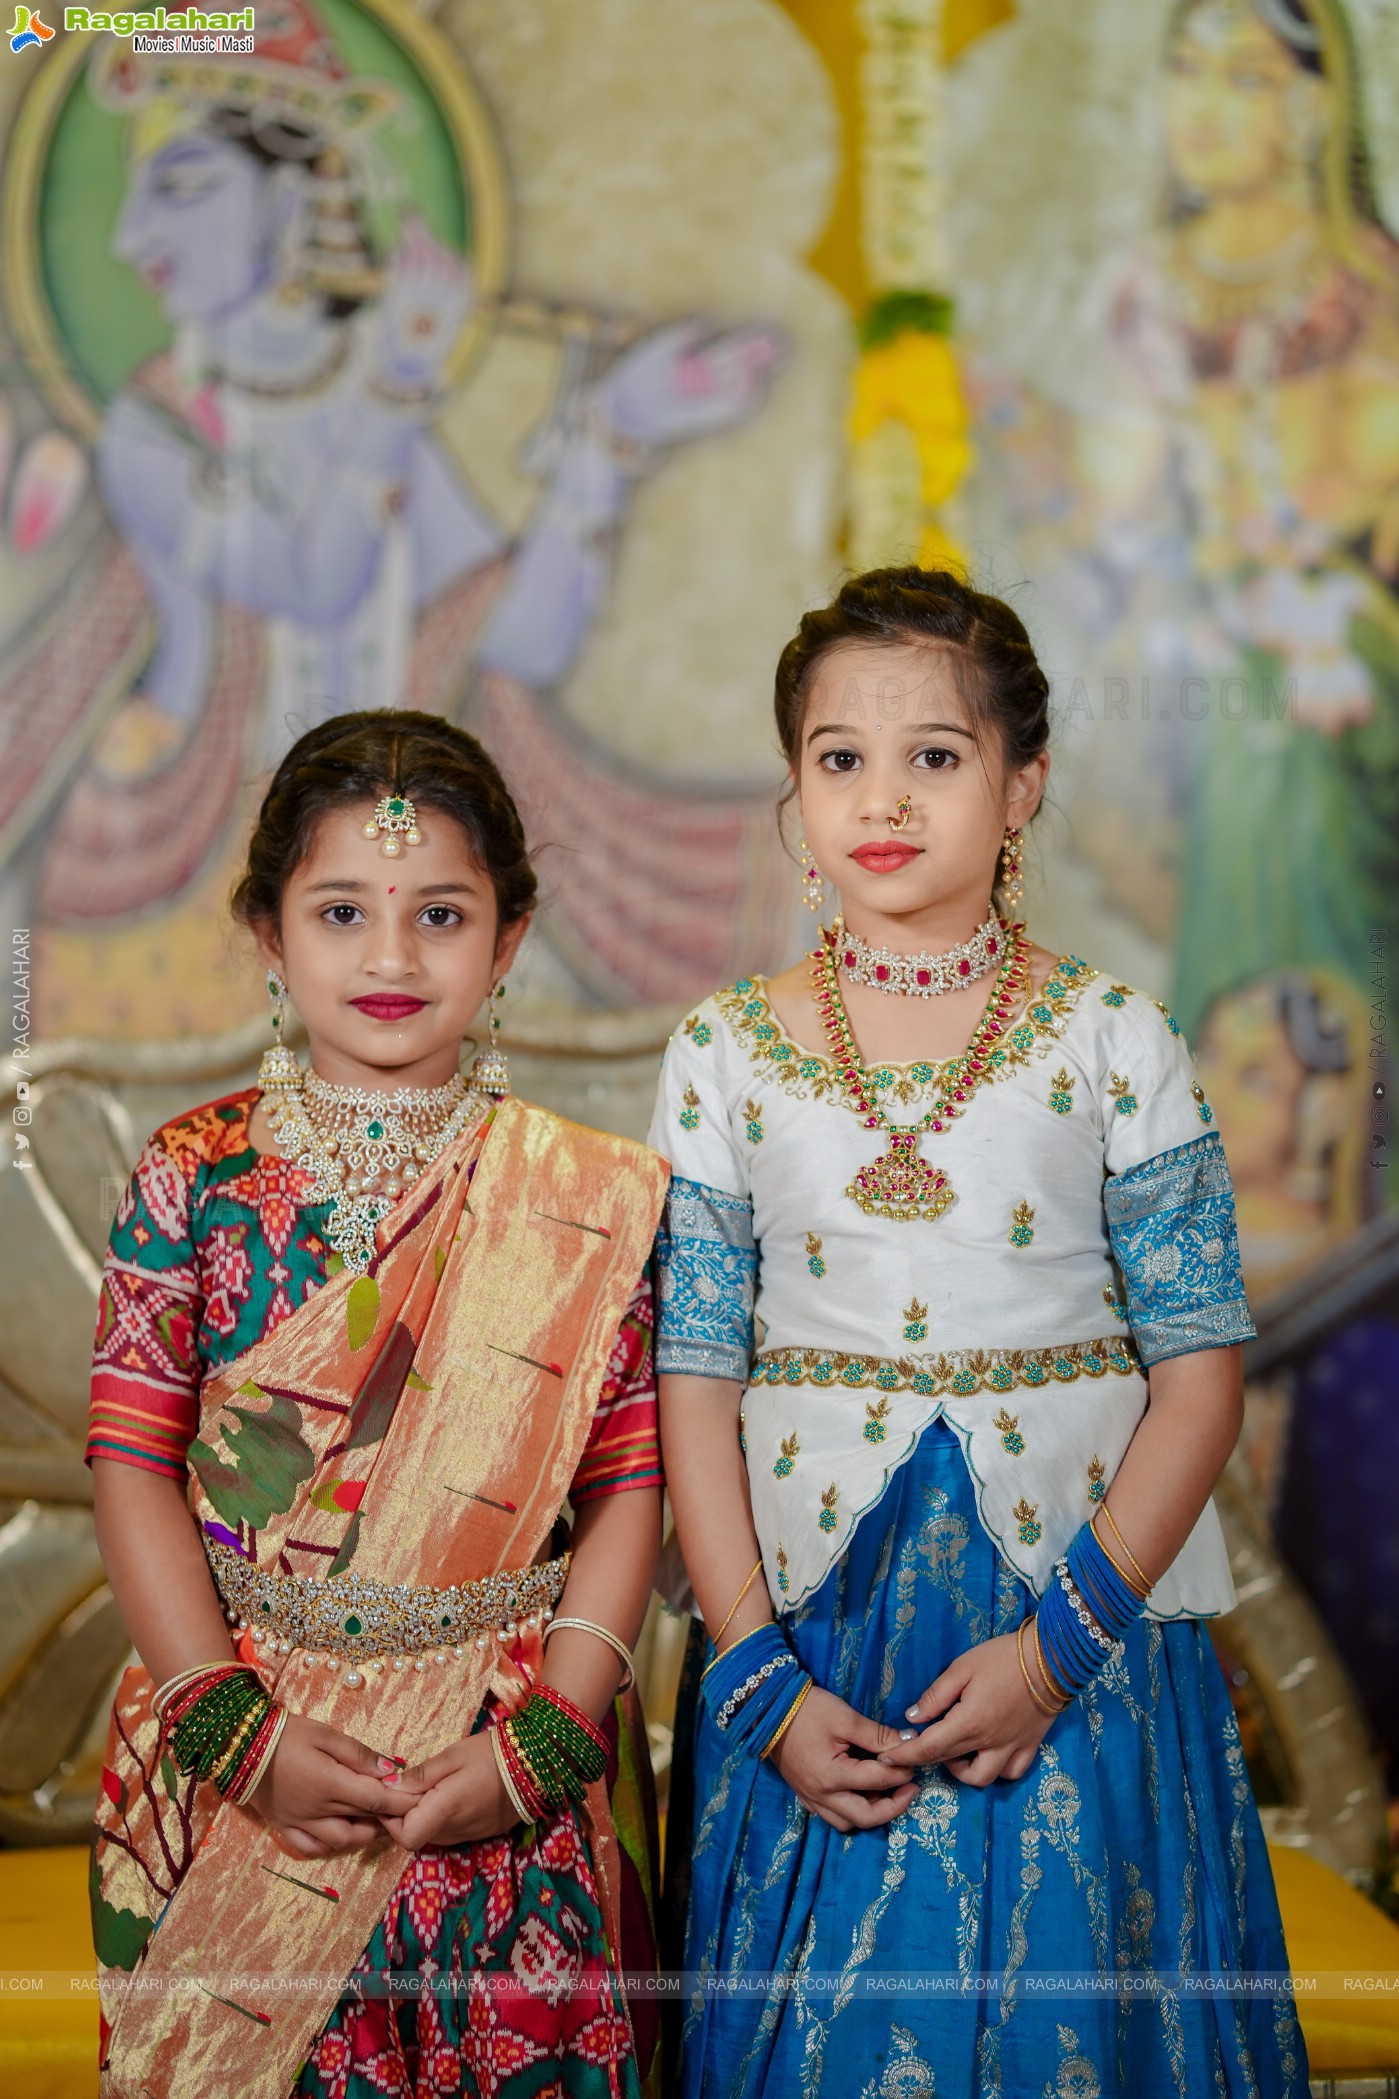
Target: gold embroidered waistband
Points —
{"points": [[351, 1614], [958, 1371]]}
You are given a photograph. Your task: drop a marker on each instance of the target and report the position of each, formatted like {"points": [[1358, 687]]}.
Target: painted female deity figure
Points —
{"points": [[1256, 414]]}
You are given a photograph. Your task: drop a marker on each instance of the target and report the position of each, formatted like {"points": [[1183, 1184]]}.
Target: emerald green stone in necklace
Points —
{"points": [[374, 1129], [354, 1625]]}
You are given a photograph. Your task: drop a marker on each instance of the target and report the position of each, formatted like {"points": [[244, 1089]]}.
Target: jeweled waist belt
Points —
{"points": [[374, 1621], [959, 1371]]}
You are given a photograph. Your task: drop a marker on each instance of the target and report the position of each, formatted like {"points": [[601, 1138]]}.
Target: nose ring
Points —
{"points": [[899, 820]]}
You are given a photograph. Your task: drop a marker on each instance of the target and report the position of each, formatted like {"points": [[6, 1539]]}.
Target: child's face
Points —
{"points": [[887, 721], [388, 960]]}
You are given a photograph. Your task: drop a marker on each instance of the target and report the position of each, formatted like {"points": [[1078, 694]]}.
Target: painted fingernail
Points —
{"points": [[387, 1763], [910, 1712], [391, 1778], [905, 1734]]}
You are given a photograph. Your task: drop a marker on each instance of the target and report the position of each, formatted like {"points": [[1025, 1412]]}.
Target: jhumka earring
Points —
{"points": [[1012, 887], [813, 881], [280, 1068], [394, 817], [491, 1071]]}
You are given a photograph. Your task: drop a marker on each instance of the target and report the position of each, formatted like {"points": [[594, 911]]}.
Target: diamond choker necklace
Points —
{"points": [[920, 976], [365, 1148]]}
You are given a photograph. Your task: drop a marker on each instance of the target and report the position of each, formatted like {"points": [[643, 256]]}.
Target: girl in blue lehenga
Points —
{"points": [[970, 1811]]}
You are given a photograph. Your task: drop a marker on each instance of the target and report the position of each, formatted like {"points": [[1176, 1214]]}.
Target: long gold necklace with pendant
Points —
{"points": [[901, 1183]]}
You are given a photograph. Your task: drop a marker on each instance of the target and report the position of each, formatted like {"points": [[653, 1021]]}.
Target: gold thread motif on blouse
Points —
{"points": [[790, 1449], [1096, 1469], [915, 1321], [1061, 1098], [808, 1076], [1022, 1229], [1009, 1428], [876, 1411], [690, 1113], [959, 1371], [1024, 1513], [815, 1259], [827, 1517], [1120, 1091]]}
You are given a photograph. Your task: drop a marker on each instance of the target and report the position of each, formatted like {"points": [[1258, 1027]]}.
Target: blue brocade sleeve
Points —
{"points": [[1171, 1223], [706, 1269]]}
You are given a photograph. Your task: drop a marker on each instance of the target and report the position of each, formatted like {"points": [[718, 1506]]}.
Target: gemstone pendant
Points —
{"points": [[901, 1184]]}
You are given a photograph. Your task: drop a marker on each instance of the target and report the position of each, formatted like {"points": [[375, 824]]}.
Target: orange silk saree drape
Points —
{"points": [[418, 1424]]}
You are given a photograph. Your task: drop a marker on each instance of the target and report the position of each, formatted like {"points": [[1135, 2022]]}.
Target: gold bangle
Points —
{"points": [[738, 1600], [1116, 1565], [1125, 1546], [506, 1780], [1020, 1650], [586, 1625], [264, 1761], [1051, 1681], [751, 1635], [792, 1711]]}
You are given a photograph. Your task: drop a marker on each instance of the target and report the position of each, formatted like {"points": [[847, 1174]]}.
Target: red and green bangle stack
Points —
{"points": [[221, 1724], [551, 1752]]}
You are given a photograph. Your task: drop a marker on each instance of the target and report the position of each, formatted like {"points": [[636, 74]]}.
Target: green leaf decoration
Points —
{"points": [[361, 1310], [118, 1936], [378, 1395], [170, 1777], [348, 1547], [271, 1459], [416, 1383], [439, 1262], [251, 1389], [893, 313]]}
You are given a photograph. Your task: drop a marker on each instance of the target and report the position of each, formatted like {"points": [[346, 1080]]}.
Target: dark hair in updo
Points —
{"points": [[997, 670], [362, 757]]}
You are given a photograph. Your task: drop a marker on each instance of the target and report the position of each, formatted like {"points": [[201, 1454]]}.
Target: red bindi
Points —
{"points": [[392, 887]]}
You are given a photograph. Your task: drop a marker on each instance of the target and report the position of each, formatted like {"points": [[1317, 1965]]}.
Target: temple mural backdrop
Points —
{"points": [[539, 364]]}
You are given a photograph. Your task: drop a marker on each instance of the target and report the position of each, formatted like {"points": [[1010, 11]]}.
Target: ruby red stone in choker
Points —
{"points": [[922, 975]]}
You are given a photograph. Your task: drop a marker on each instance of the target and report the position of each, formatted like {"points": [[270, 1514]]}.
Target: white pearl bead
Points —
{"points": [[481, 1642], [419, 1663], [398, 1661], [332, 1661], [391, 848], [440, 1657], [413, 837], [377, 1667], [459, 1652], [502, 1634], [284, 1647], [354, 1678], [371, 830]]}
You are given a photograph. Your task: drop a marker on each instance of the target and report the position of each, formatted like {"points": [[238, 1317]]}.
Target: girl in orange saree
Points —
{"points": [[375, 1818]]}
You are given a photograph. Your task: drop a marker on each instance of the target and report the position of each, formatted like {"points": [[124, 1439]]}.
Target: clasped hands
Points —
{"points": [[324, 1792], [977, 1718]]}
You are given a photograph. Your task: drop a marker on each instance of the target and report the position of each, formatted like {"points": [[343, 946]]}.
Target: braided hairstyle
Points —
{"points": [[362, 757], [996, 668]]}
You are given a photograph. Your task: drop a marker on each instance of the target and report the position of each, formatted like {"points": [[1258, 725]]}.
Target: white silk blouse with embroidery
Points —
{"points": [[1090, 1233]]}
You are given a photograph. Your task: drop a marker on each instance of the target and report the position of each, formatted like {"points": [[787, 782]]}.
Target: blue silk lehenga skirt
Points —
{"points": [[1076, 1933]]}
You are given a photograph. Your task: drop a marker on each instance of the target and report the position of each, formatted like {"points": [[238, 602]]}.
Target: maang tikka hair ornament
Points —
{"points": [[394, 818]]}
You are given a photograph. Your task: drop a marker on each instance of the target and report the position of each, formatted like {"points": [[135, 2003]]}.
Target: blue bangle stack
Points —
{"points": [[1085, 1613], [750, 1689]]}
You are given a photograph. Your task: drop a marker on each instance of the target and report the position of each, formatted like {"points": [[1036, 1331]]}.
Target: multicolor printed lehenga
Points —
{"points": [[934, 1408], [421, 1424]]}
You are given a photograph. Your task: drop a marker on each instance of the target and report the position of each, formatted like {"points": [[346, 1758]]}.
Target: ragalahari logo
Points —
{"points": [[28, 30]]}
